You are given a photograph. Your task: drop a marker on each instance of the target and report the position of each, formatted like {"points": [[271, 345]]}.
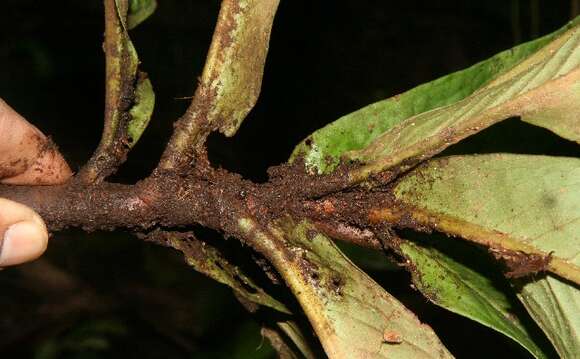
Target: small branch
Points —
{"points": [[117, 98], [129, 97], [230, 83]]}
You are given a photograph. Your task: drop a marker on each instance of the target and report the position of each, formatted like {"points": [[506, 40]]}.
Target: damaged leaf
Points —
{"points": [[356, 131], [126, 67], [232, 76], [230, 83], [208, 260], [516, 205], [349, 312]]}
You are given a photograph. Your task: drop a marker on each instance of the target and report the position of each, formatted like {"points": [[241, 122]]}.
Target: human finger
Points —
{"points": [[27, 156], [23, 234]]}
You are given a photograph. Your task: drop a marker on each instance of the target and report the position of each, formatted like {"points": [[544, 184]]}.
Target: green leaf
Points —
{"points": [[142, 110], [139, 11], [531, 203], [555, 305], [515, 205], [325, 147], [462, 290], [230, 83], [235, 63], [350, 313], [548, 79]]}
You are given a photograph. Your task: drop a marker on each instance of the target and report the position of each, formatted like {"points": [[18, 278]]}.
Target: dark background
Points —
{"points": [[107, 295]]}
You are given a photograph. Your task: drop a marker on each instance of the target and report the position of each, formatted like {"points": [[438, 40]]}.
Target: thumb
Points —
{"points": [[23, 235]]}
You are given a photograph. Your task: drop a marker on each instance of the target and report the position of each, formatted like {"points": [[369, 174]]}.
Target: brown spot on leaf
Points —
{"points": [[521, 264], [336, 284], [392, 337], [311, 234]]}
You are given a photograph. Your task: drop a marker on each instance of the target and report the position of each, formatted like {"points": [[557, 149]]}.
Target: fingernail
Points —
{"points": [[22, 242]]}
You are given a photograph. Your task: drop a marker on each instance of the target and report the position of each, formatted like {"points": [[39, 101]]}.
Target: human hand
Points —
{"points": [[27, 157]]}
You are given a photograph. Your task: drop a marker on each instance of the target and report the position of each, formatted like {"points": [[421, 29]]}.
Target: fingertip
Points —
{"points": [[22, 242], [50, 168]]}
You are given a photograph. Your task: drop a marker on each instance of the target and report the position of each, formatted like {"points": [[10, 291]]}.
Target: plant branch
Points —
{"points": [[223, 201], [153, 202]]}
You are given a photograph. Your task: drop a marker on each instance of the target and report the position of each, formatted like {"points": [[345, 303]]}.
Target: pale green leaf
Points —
{"points": [[139, 11], [517, 203], [231, 80], [324, 148], [351, 314], [235, 64], [545, 80], [555, 305], [230, 83], [560, 117], [142, 109]]}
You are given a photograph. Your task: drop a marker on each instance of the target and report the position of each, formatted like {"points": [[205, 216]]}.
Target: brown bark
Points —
{"points": [[165, 200], [212, 198]]}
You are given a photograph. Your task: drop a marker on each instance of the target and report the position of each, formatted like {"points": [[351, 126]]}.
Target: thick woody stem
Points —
{"points": [[166, 201], [214, 199]]}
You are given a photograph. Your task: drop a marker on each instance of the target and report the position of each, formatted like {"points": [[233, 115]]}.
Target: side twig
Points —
{"points": [[129, 97]]}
